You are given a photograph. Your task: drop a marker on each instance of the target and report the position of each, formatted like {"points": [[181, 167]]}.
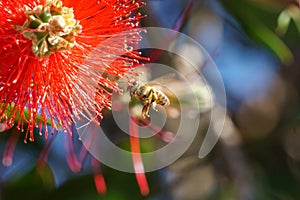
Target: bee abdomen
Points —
{"points": [[162, 99]]}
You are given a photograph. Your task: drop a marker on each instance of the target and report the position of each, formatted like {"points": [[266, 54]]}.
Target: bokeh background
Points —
{"points": [[256, 46]]}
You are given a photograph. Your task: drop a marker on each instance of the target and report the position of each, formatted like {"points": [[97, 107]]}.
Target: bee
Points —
{"points": [[149, 95]]}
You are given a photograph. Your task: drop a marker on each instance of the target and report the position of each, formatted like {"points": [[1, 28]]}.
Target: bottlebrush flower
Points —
{"points": [[45, 77]]}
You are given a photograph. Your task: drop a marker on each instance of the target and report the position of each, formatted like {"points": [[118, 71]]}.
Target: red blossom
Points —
{"points": [[42, 79]]}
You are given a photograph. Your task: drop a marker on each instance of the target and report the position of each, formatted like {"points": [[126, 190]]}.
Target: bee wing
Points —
{"points": [[164, 84], [162, 80]]}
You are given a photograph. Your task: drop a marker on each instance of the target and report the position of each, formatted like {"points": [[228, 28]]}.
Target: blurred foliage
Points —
{"points": [[39, 184], [290, 15], [259, 19], [33, 185]]}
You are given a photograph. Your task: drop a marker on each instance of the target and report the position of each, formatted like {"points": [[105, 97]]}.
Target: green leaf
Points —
{"points": [[256, 23]]}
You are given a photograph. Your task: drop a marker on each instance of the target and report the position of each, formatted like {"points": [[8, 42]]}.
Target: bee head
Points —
{"points": [[132, 86]]}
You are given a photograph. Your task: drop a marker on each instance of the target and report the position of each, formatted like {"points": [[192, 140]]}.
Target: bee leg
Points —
{"points": [[154, 104], [145, 111]]}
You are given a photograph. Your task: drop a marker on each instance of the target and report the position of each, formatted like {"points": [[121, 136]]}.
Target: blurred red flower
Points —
{"points": [[45, 76]]}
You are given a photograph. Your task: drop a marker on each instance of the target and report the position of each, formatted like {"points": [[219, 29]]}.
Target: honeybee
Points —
{"points": [[149, 95]]}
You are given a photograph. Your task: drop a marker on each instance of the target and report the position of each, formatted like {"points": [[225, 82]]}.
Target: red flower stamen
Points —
{"points": [[44, 154], [178, 26], [10, 148], [72, 160], [98, 177], [166, 136], [136, 156], [45, 76]]}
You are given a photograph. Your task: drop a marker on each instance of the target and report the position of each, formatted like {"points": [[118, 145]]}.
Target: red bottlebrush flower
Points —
{"points": [[44, 45]]}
